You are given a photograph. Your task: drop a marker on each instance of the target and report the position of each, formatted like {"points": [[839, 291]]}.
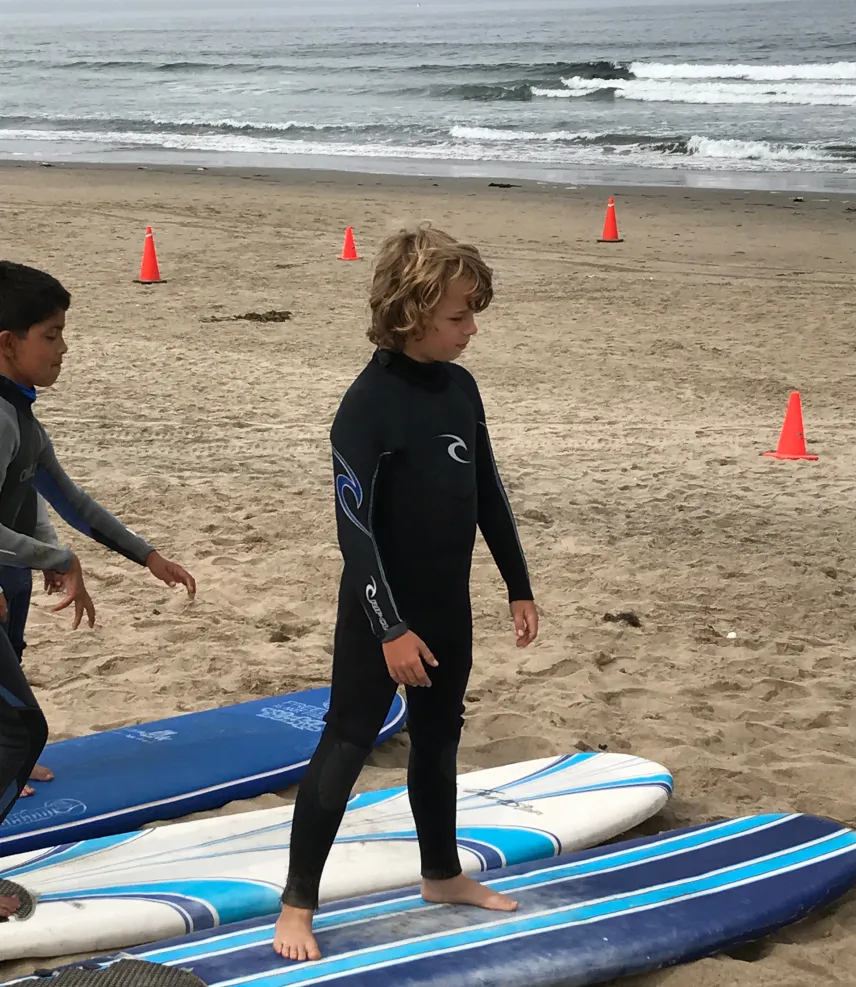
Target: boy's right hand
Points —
{"points": [[53, 581], [76, 593], [404, 660]]}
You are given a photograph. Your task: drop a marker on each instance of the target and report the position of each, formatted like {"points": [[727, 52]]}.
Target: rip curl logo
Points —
{"points": [[150, 736], [348, 483], [299, 716], [456, 447], [371, 596], [53, 809]]}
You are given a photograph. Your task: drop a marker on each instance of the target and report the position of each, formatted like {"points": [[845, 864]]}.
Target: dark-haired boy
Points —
{"points": [[33, 306]]}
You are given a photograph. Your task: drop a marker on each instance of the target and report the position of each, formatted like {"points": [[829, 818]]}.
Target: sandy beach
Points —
{"points": [[630, 389]]}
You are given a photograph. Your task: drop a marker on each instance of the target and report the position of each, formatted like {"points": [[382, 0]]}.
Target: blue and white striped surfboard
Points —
{"points": [[584, 917], [141, 887]]}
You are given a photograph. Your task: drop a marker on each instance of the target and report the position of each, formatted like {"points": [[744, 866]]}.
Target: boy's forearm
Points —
{"points": [[85, 514], [360, 552], [510, 560], [365, 571], [32, 553], [45, 531], [497, 524]]}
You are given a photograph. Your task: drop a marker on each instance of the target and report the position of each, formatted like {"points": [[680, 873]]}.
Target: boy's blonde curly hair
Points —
{"points": [[413, 269]]}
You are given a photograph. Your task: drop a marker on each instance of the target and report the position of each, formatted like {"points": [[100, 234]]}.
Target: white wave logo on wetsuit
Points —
{"points": [[456, 446], [371, 594]]}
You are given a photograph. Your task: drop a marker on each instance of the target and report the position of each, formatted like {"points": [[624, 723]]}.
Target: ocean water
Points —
{"points": [[713, 92]]}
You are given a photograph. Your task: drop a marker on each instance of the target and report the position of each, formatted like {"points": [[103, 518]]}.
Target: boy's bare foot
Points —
{"points": [[462, 890], [9, 904], [292, 937], [41, 773], [27, 790]]}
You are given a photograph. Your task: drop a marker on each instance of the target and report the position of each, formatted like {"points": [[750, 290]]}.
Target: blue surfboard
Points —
{"points": [[119, 780], [584, 918]]}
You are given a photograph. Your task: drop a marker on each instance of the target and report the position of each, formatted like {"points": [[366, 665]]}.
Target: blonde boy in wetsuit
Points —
{"points": [[414, 477]]}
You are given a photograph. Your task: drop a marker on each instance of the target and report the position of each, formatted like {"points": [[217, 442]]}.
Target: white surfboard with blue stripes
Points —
{"points": [[584, 918], [148, 885]]}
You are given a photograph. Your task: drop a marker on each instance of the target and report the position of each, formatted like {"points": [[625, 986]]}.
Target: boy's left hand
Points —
{"points": [[170, 573], [525, 615]]}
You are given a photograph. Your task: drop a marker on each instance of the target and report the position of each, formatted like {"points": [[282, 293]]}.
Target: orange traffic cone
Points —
{"points": [[792, 440], [149, 272], [349, 251], [610, 225]]}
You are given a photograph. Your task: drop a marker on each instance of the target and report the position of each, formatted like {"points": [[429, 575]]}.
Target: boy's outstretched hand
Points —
{"points": [[76, 593], [170, 573], [525, 615]]}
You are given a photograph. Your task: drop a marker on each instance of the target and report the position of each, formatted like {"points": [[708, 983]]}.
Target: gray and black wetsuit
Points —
{"points": [[414, 477], [27, 465]]}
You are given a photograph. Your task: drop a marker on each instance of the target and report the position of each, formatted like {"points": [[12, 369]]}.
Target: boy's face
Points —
{"points": [[451, 326], [36, 359]]}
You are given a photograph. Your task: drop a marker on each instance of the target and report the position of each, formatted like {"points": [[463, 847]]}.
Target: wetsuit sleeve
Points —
{"points": [[80, 511], [495, 517], [45, 531], [358, 455], [21, 550]]}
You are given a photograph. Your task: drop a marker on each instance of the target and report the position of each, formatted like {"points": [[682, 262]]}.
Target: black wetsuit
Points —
{"points": [[23, 728], [414, 476]]}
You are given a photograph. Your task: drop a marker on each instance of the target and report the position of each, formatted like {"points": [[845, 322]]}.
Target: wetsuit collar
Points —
{"points": [[431, 376], [11, 389]]}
